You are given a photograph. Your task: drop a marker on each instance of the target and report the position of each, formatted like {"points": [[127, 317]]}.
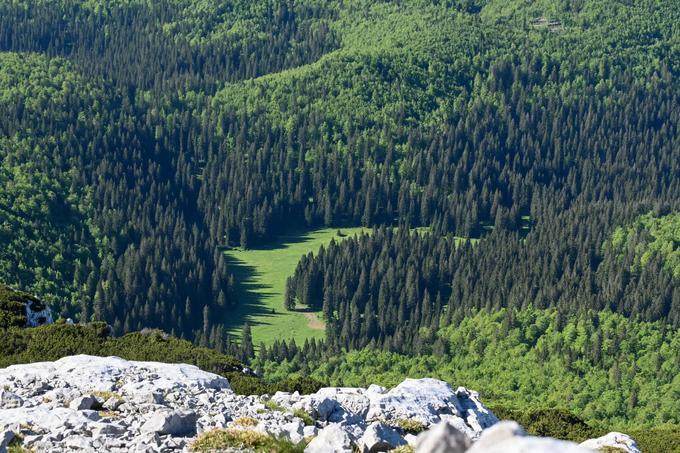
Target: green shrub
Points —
{"points": [[557, 423], [250, 385], [301, 384], [274, 406], [658, 440], [242, 384], [52, 342]]}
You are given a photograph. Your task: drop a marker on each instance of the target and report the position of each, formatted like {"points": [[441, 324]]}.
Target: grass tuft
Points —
{"points": [[409, 426], [257, 442], [104, 395], [274, 406], [403, 449], [304, 416], [245, 422]]}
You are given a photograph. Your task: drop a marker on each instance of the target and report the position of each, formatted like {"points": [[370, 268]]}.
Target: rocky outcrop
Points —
{"points": [[89, 404], [618, 441], [19, 309], [37, 314], [427, 401]]}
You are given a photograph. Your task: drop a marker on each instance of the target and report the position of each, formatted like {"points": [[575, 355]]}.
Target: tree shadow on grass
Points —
{"points": [[250, 294], [285, 240]]}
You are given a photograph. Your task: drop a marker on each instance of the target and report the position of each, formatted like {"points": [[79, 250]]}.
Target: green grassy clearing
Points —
{"points": [[261, 275]]}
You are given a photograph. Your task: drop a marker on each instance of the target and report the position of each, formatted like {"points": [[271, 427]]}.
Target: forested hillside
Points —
{"points": [[536, 142]]}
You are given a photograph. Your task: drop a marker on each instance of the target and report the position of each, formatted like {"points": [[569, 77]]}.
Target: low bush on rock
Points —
{"points": [[15, 445], [242, 439]]}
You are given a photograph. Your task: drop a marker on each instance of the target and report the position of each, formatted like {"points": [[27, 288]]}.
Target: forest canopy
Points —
{"points": [[513, 159]]}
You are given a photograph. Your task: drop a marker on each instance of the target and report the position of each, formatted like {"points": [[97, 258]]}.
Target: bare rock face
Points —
{"points": [[37, 314], [442, 438]]}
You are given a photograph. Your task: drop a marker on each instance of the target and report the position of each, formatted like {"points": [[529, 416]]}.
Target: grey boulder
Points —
{"points": [[174, 423], [82, 403], [331, 439], [442, 438], [5, 438], [9, 400], [379, 437]]}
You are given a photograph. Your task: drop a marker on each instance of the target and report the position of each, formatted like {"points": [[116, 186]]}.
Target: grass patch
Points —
{"points": [[261, 274], [403, 449], [304, 416], [409, 426], [274, 406], [105, 395], [219, 440], [245, 422]]}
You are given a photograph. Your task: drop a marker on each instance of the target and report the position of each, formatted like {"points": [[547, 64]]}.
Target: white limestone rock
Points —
{"points": [[498, 433], [9, 400], [89, 373], [509, 437], [112, 403], [442, 438], [331, 439], [429, 401], [44, 419], [337, 404], [84, 402], [623, 442], [379, 437], [174, 423]]}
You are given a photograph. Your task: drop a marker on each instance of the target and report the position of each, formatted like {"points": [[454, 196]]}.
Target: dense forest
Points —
{"points": [[604, 367], [537, 143]]}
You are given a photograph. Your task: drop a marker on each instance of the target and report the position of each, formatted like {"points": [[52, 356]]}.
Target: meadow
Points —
{"points": [[261, 274]]}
